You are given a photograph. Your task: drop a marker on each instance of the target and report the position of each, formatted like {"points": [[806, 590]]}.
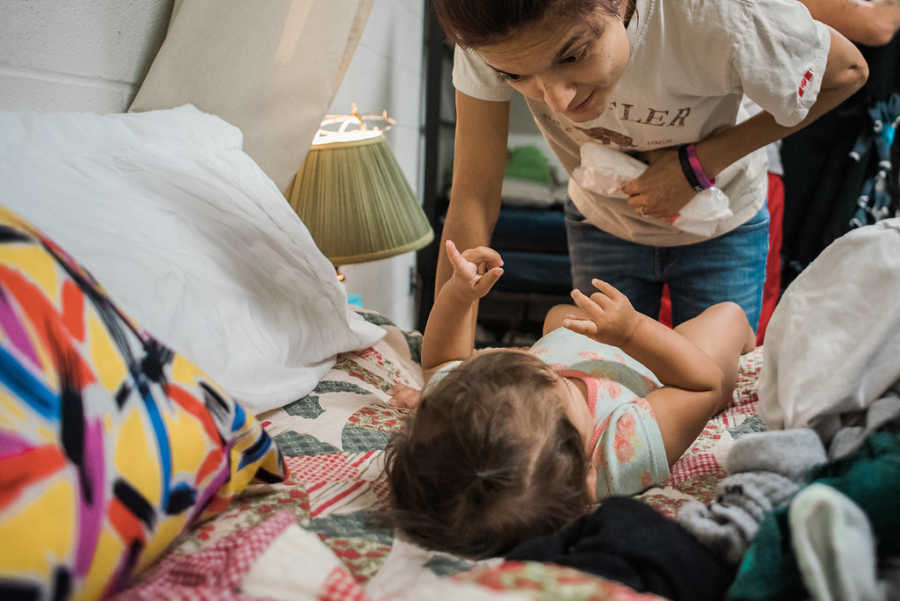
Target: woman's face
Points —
{"points": [[571, 65]]}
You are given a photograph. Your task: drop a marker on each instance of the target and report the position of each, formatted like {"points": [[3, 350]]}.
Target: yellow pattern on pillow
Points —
{"points": [[111, 444]]}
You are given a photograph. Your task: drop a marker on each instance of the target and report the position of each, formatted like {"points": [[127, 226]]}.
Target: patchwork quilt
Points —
{"points": [[322, 534]]}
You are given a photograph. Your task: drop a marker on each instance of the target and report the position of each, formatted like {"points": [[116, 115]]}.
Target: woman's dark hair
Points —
{"points": [[488, 460], [472, 23]]}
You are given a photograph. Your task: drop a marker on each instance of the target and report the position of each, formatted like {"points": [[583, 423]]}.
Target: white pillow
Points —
{"points": [[192, 239]]}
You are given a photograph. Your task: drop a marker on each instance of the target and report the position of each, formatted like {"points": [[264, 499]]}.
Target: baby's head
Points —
{"points": [[489, 459]]}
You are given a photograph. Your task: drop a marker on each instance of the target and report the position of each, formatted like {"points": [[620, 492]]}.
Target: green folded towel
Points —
{"points": [[529, 163]]}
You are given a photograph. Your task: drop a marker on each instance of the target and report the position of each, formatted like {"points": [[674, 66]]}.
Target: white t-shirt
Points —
{"points": [[691, 62], [773, 150]]}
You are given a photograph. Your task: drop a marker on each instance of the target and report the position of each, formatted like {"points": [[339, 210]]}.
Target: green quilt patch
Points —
{"points": [[307, 407], [360, 440], [294, 444]]}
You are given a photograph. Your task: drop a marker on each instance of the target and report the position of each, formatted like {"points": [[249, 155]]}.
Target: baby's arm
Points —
{"points": [[674, 359], [696, 362], [450, 330]]}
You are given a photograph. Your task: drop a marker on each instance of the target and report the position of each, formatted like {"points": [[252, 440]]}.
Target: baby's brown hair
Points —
{"points": [[489, 459]]}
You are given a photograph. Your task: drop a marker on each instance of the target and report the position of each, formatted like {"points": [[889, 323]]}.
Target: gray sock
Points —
{"points": [[882, 415], [767, 469], [791, 453], [729, 525]]}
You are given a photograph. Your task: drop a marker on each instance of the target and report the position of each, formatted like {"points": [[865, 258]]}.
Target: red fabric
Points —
{"points": [[665, 307], [22, 469], [772, 287]]}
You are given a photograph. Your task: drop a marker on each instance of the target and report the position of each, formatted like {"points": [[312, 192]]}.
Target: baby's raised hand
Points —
{"points": [[612, 318], [475, 270]]}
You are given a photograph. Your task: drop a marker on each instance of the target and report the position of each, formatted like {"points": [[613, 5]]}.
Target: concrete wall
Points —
{"points": [[77, 55]]}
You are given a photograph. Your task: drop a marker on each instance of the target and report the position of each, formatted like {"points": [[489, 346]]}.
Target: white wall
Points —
{"points": [[77, 55], [386, 73]]}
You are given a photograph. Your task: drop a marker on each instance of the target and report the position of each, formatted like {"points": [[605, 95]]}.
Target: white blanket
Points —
{"points": [[833, 344], [190, 237]]}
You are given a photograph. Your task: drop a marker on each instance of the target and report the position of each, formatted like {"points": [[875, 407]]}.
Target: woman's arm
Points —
{"points": [[479, 158], [846, 72], [869, 22], [663, 190]]}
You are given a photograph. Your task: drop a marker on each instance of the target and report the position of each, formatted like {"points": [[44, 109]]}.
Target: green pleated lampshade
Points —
{"points": [[356, 202]]}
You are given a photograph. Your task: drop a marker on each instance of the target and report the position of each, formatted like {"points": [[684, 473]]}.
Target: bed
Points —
{"points": [[333, 441]]}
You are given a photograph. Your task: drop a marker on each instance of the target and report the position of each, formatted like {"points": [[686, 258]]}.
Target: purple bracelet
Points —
{"points": [[705, 182]]}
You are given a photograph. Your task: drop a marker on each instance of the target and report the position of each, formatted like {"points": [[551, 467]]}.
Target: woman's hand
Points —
{"points": [[475, 271], [612, 318], [662, 190]]}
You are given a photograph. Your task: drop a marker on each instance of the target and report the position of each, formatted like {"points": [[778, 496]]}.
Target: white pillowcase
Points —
{"points": [[190, 237]]}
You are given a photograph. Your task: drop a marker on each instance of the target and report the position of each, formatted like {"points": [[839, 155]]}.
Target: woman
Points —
{"points": [[655, 78]]}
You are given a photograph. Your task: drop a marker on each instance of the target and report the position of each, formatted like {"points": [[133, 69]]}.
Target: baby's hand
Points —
{"points": [[612, 318], [475, 270], [404, 396]]}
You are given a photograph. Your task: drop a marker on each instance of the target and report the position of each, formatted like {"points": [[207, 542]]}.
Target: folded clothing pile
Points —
{"points": [[528, 180]]}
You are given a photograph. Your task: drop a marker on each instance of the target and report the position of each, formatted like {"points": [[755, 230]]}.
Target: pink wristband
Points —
{"points": [[705, 182]]}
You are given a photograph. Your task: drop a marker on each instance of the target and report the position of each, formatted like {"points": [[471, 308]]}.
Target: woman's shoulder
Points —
{"points": [[725, 16], [473, 77], [718, 32]]}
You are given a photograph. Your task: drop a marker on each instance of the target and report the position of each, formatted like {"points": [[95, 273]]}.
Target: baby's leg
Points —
{"points": [[722, 332], [558, 313]]}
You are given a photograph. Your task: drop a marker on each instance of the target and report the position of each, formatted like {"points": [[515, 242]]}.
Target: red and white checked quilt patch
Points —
{"points": [[693, 466], [334, 481], [213, 574], [329, 467]]}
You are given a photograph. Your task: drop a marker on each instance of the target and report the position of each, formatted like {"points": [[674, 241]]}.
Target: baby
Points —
{"points": [[508, 444]]}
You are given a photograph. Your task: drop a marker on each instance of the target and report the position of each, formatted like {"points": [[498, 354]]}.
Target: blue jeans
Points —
{"points": [[731, 267]]}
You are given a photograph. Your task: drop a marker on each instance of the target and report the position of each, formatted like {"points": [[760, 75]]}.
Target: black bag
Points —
{"points": [[841, 172]]}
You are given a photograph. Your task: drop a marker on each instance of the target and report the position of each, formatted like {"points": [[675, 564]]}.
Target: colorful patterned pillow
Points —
{"points": [[110, 443]]}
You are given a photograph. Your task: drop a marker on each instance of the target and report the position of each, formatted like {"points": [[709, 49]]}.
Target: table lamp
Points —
{"points": [[352, 195]]}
